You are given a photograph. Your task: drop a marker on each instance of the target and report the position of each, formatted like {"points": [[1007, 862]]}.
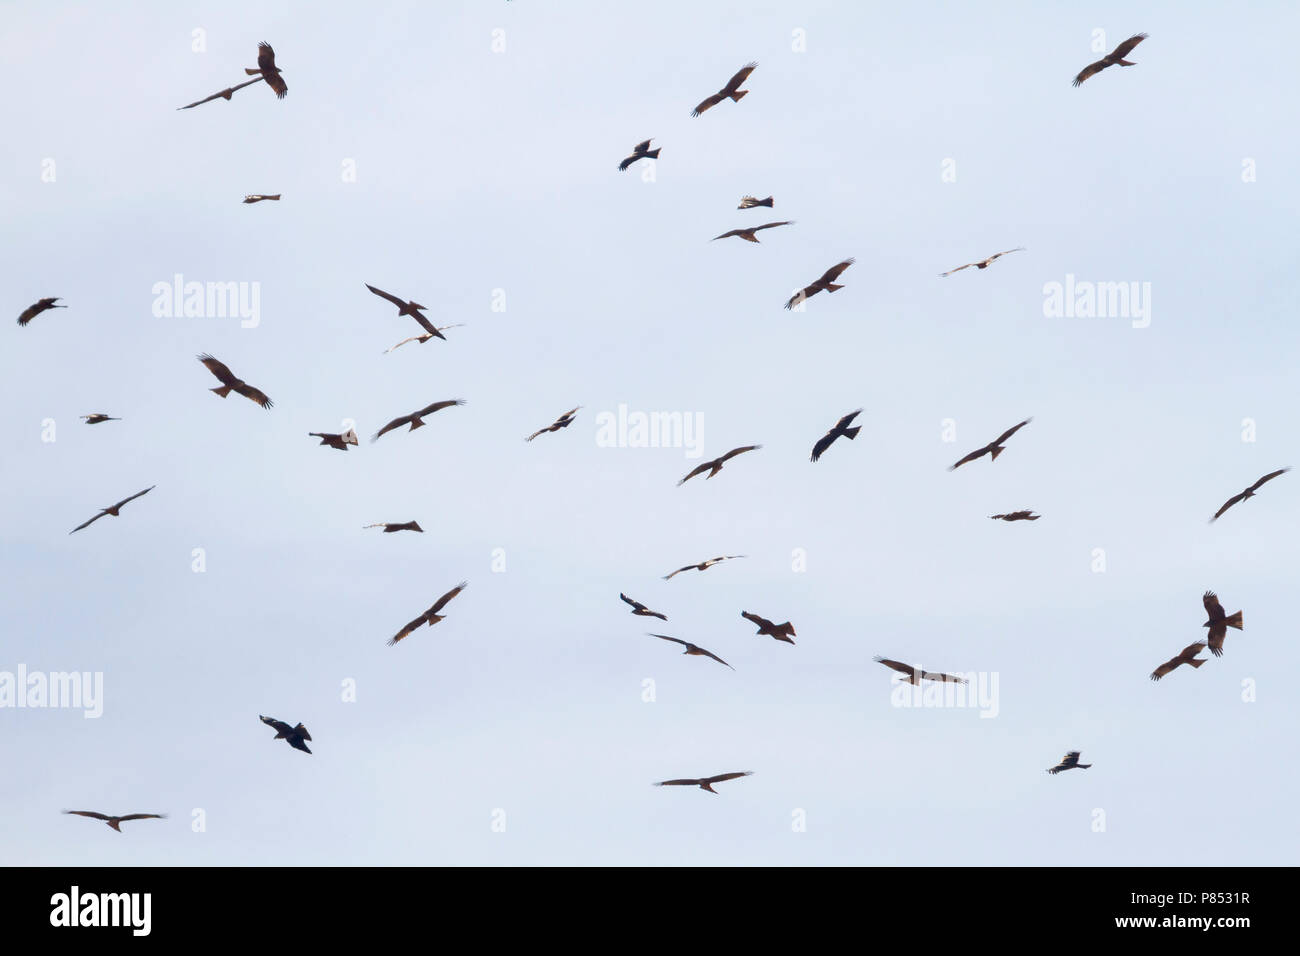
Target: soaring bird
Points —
{"points": [[1218, 623], [296, 736], [97, 417], [640, 151], [983, 263], [270, 72], [426, 336], [841, 429], [340, 442], [431, 616], [116, 822], [749, 202], [32, 311], [732, 90], [225, 94], [780, 632], [416, 419], [113, 510], [564, 421], [703, 565], [392, 526], [825, 283], [1016, 516], [1249, 492], [916, 675], [412, 308], [1186, 656], [704, 783], [640, 609], [993, 448], [258, 197], [748, 234], [229, 383], [1069, 762], [1114, 58], [694, 649], [715, 466]]}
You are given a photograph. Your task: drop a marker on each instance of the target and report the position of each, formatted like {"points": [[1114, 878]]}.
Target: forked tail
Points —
{"points": [[1234, 621]]}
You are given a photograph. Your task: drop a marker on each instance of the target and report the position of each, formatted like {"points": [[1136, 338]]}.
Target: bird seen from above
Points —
{"points": [[1186, 656], [229, 383], [32, 311], [825, 284], [431, 616], [780, 632], [225, 94], [435, 334], [564, 421], [340, 442], [693, 649], [983, 263], [295, 736], [641, 150], [993, 448], [715, 466], [703, 565], [914, 675], [841, 429], [99, 417], [412, 308], [113, 510], [1113, 58], [1249, 492], [748, 234], [1218, 623], [749, 202], [1016, 516], [259, 197], [116, 822], [392, 526], [1069, 762], [704, 783], [731, 91], [268, 70], [640, 609]]}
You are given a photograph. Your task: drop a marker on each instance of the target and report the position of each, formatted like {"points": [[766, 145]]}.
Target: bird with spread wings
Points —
{"points": [[435, 334], [748, 234], [1186, 656], [715, 466], [749, 202], [703, 565], [1069, 762], [340, 442], [914, 675], [564, 421], [294, 736], [268, 70], [1219, 622], [1016, 516], [261, 197], [841, 429], [825, 284], [416, 419], [412, 308], [391, 527], [431, 616], [693, 649], [731, 91], [993, 448], [640, 609], [1113, 58], [704, 783], [983, 263], [229, 383], [97, 418], [113, 510], [116, 822], [640, 151], [780, 632], [1249, 492], [225, 94], [32, 311]]}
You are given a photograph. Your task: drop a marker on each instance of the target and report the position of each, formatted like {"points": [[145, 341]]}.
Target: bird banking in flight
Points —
{"points": [[1113, 58], [731, 91]]}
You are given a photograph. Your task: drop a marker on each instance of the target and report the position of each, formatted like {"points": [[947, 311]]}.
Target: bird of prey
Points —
{"points": [[296, 736], [715, 466], [748, 234], [694, 649], [564, 421], [1114, 58], [993, 448], [431, 616], [640, 609], [113, 510], [704, 783], [116, 822], [841, 429], [749, 202], [258, 197], [391, 526], [825, 283], [916, 675], [98, 417], [270, 72], [1249, 492], [426, 336], [640, 151], [1218, 623], [412, 308], [229, 383], [1069, 762], [340, 442], [780, 632], [416, 419], [1017, 516], [32, 311], [732, 90], [225, 94], [703, 565], [1186, 656], [983, 263]]}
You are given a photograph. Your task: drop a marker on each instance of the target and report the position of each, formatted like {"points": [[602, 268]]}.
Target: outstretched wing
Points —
{"points": [[413, 338], [698, 469], [675, 640], [899, 666], [134, 496], [1086, 72], [727, 776], [822, 444], [733, 84], [739, 451], [669, 577], [439, 406], [143, 816], [395, 423], [941, 678], [223, 95], [958, 269], [1228, 504], [1125, 48], [773, 225], [1011, 431], [94, 815], [999, 255], [90, 522], [833, 273], [406, 630], [255, 394], [679, 783], [442, 601], [279, 726], [728, 235], [266, 63], [637, 605], [978, 453], [709, 103], [1212, 606], [1269, 477], [761, 622], [642, 147], [219, 369]]}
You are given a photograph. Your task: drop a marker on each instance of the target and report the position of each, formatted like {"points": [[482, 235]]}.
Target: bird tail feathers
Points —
{"points": [[223, 390], [832, 287], [1198, 662], [852, 433], [653, 153], [736, 96], [251, 72], [997, 451], [1234, 621]]}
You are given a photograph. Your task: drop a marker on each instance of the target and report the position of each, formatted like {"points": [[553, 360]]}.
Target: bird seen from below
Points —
{"points": [[99, 417], [1069, 762], [1016, 516], [914, 675], [340, 442], [268, 70], [113, 510], [1249, 492], [1218, 623], [715, 466], [391, 527], [1113, 58], [641, 150], [780, 632], [564, 421], [983, 263], [431, 616], [748, 234], [703, 565], [640, 609], [416, 419], [295, 736], [1186, 656], [412, 308], [426, 336], [825, 284], [693, 649], [259, 197], [993, 448], [116, 822], [749, 202], [704, 783], [731, 91], [32, 311], [841, 429], [229, 383]]}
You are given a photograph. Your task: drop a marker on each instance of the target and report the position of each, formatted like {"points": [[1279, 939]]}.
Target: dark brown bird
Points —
{"points": [[229, 383], [99, 417], [270, 72], [983, 263], [32, 311], [780, 632], [1218, 623], [225, 94], [1186, 656], [431, 616], [704, 783], [715, 466], [1249, 492], [416, 419], [640, 151], [993, 448], [113, 510], [693, 649], [1016, 516], [640, 609], [116, 822], [426, 336], [1114, 58], [340, 442], [732, 90], [841, 429], [749, 202], [748, 234], [564, 421], [702, 566], [258, 197], [915, 675], [412, 308], [826, 283], [1069, 762], [296, 736], [392, 526]]}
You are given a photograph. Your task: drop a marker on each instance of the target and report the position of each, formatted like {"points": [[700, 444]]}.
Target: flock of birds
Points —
{"points": [[296, 736]]}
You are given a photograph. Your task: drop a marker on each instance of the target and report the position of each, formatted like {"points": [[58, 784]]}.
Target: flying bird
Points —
{"points": [[704, 783], [1218, 623], [229, 383], [825, 283], [781, 632], [340, 442], [270, 72], [640, 151], [640, 609], [993, 448], [749, 202], [1186, 656], [564, 421], [748, 234], [98, 417], [1069, 762], [416, 419], [113, 510], [983, 263], [1114, 58], [32, 311], [1249, 492], [116, 822], [296, 736], [1017, 516], [841, 429], [916, 675], [412, 308], [732, 90], [431, 616], [258, 197], [225, 94], [426, 336], [715, 466], [392, 526], [692, 648], [703, 565]]}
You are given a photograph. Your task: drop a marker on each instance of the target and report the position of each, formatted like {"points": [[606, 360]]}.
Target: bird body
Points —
{"points": [[748, 234], [1113, 58], [116, 822], [268, 70], [840, 430], [1186, 656], [731, 91], [983, 263], [340, 442], [1016, 516], [704, 783], [1218, 622], [641, 150], [914, 675], [416, 419], [564, 421], [229, 383], [1248, 493], [258, 197], [703, 565], [715, 466], [114, 510], [296, 736], [749, 202], [1069, 762], [32, 311], [780, 632], [411, 308], [825, 284], [99, 417], [993, 448], [692, 649], [431, 616]]}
